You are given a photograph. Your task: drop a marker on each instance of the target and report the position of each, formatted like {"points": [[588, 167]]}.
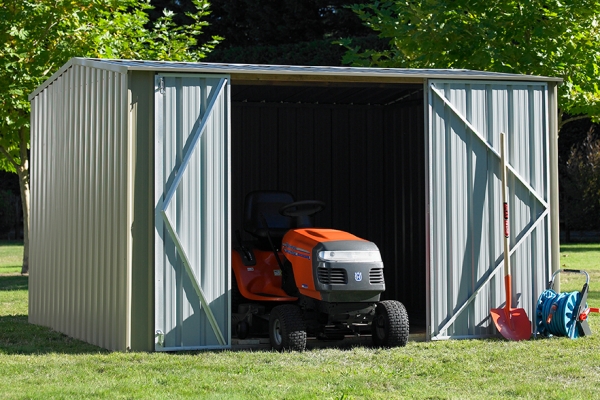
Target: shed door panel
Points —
{"points": [[465, 202], [192, 245]]}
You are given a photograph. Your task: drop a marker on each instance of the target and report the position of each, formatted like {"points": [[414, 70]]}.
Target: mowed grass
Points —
{"points": [[36, 362], [583, 257], [11, 257]]}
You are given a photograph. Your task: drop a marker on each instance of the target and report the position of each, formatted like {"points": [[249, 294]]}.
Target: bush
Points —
{"points": [[580, 184]]}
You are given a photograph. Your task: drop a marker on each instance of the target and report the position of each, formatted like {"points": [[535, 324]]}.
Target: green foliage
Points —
{"points": [[551, 38], [39, 36]]}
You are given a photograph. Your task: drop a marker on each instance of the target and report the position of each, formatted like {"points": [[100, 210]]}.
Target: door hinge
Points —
{"points": [[161, 86], [160, 337]]}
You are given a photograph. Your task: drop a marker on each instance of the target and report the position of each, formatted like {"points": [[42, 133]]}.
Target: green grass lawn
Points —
{"points": [[36, 362], [585, 257], [11, 257]]}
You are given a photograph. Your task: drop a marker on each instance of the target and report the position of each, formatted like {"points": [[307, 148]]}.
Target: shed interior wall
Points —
{"points": [[358, 148]]}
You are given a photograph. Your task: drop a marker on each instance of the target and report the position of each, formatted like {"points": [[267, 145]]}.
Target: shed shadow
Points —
{"points": [[18, 336], [10, 282]]}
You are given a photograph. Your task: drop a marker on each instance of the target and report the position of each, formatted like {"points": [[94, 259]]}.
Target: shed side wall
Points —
{"points": [[79, 224]]}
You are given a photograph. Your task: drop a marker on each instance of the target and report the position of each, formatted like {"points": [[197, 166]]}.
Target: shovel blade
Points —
{"points": [[514, 325]]}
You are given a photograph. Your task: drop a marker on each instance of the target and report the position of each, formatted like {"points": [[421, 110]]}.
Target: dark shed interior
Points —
{"points": [[359, 147]]}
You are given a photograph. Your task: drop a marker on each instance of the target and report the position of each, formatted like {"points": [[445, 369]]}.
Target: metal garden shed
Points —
{"points": [[139, 170]]}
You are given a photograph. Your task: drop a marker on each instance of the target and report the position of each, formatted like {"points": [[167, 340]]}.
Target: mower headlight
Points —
{"points": [[350, 256]]}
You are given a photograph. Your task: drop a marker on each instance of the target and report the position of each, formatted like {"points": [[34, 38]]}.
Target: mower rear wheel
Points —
{"points": [[390, 324], [287, 330]]}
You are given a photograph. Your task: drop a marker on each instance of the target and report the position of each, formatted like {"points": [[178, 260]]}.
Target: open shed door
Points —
{"points": [[465, 251], [192, 198]]}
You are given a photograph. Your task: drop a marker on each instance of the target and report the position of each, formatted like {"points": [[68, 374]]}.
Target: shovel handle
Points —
{"points": [[505, 205]]}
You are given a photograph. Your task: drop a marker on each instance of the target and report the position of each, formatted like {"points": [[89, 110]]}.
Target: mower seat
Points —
{"points": [[262, 218]]}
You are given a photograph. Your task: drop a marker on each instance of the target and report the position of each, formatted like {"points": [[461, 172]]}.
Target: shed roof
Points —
{"points": [[257, 73]]}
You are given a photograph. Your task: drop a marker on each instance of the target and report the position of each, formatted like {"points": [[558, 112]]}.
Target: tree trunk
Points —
{"points": [[23, 172], [24, 186]]}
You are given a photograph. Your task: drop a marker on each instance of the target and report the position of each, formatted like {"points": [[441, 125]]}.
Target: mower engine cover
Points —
{"points": [[334, 266]]}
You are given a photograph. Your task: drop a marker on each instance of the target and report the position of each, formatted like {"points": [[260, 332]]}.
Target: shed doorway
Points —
{"points": [[358, 147]]}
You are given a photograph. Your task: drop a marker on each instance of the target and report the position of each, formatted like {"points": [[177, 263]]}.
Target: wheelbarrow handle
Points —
{"points": [[575, 271]]}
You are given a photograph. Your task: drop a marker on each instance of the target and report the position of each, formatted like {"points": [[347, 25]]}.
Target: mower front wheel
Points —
{"points": [[390, 324], [287, 330]]}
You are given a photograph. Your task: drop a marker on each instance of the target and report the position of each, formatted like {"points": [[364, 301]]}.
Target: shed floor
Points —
{"points": [[417, 334]]}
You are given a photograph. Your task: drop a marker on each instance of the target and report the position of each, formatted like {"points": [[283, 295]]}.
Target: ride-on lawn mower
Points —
{"points": [[294, 280]]}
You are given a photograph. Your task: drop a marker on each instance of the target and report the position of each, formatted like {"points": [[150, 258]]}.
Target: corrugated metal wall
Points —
{"points": [[365, 162], [192, 263], [466, 220], [430, 201], [79, 224]]}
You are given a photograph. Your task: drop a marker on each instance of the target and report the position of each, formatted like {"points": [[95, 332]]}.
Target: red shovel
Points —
{"points": [[512, 323]]}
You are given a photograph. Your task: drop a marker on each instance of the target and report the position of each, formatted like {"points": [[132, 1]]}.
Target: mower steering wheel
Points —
{"points": [[302, 208]]}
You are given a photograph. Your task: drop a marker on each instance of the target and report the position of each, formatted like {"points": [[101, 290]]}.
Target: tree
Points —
{"points": [[275, 22], [580, 185], [550, 37], [39, 36], [277, 31]]}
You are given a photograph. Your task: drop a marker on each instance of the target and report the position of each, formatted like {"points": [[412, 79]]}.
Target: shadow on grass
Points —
{"points": [[579, 247], [17, 336], [11, 243], [13, 282]]}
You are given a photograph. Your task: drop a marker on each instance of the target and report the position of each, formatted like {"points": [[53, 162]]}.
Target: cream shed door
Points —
{"points": [[465, 220], [192, 198]]}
